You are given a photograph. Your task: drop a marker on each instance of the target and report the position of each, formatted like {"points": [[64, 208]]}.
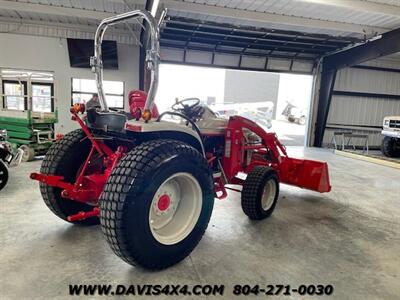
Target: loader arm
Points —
{"points": [[304, 173]]}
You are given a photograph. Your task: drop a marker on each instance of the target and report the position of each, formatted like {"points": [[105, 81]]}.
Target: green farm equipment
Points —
{"points": [[27, 110]]}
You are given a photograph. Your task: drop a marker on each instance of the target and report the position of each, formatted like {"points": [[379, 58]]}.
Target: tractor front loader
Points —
{"points": [[150, 182]]}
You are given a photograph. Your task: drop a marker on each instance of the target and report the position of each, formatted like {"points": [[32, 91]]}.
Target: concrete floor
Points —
{"points": [[349, 238], [378, 154]]}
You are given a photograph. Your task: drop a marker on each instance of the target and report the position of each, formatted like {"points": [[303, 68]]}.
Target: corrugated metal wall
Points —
{"points": [[362, 114]]}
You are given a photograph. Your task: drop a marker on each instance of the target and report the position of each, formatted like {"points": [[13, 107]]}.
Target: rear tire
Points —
{"points": [[3, 175], [64, 158], [260, 193], [127, 206], [391, 147]]}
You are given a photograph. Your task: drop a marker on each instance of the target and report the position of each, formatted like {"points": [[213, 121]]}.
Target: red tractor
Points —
{"points": [[151, 182]]}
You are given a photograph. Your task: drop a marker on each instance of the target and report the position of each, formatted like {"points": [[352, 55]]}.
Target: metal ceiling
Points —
{"points": [[34, 16], [112, 6], [352, 18], [370, 16], [300, 29], [67, 18]]}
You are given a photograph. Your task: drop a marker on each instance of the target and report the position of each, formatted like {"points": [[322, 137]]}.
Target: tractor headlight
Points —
{"points": [[78, 108], [146, 115]]}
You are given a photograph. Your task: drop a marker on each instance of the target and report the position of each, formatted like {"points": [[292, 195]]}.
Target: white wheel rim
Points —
{"points": [[268, 195], [175, 208]]}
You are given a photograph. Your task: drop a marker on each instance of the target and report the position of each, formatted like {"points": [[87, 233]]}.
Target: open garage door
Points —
{"points": [[196, 39], [204, 43], [277, 102]]}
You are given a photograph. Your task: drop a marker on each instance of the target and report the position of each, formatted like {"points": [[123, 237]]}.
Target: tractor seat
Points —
{"points": [[106, 120], [137, 99]]}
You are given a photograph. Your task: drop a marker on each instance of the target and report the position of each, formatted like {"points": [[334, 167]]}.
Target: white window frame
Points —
{"points": [[91, 93]]}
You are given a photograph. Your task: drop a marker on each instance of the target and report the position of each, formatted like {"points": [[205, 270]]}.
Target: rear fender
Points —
{"points": [[175, 135], [152, 130]]}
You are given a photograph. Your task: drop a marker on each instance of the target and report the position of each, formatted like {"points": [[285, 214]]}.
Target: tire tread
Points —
{"points": [[389, 147], [252, 191], [50, 166], [129, 176]]}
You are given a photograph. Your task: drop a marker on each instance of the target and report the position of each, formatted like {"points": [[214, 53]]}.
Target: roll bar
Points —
{"points": [[152, 55]]}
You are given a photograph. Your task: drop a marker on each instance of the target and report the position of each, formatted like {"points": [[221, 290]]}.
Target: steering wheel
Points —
{"points": [[182, 105], [189, 107]]}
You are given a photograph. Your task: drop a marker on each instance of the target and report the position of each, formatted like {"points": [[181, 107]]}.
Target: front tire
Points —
{"points": [[391, 147], [64, 158], [157, 204], [260, 193]]}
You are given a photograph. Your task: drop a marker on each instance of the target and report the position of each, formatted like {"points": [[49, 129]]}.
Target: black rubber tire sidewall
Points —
{"points": [[64, 158], [4, 176], [136, 243], [389, 147], [252, 192]]}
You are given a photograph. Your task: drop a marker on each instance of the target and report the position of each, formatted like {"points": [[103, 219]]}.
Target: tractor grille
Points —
{"points": [[394, 124]]}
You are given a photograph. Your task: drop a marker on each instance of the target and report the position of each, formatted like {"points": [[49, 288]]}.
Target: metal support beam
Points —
{"points": [[389, 43], [372, 68], [238, 14], [367, 95], [325, 96]]}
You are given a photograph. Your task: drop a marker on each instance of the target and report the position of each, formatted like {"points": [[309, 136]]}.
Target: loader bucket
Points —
{"points": [[308, 174]]}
